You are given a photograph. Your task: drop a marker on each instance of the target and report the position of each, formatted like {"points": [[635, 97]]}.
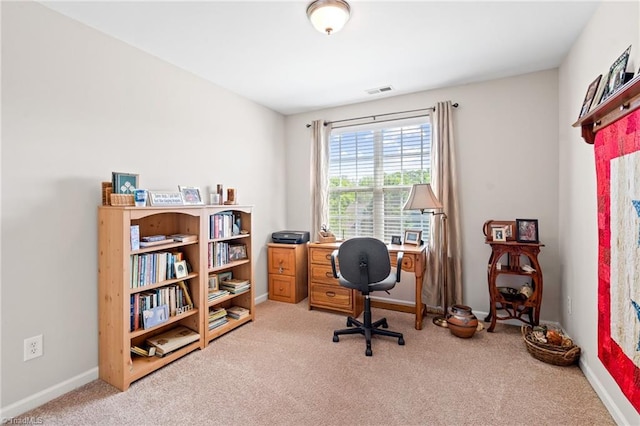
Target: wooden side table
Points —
{"points": [[507, 258]]}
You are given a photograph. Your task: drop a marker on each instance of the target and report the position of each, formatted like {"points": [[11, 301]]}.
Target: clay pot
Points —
{"points": [[461, 321]]}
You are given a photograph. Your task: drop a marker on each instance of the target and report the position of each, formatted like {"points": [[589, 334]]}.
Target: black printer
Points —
{"points": [[290, 237]]}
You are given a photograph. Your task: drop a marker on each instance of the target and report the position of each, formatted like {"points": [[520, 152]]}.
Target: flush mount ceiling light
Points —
{"points": [[328, 16]]}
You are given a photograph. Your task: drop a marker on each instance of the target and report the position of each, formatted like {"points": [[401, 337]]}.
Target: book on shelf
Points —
{"points": [[152, 238], [155, 243], [215, 313], [216, 294], [135, 237], [173, 339], [218, 322], [151, 351], [184, 238], [237, 312], [234, 285]]}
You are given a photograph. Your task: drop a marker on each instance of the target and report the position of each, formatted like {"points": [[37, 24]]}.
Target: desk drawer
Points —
{"points": [[281, 288], [408, 261], [331, 296], [322, 274], [282, 261], [320, 255]]}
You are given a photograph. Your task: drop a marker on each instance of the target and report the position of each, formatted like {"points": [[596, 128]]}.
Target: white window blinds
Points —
{"points": [[371, 171]]}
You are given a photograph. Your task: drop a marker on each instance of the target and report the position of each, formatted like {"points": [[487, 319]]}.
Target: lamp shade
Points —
{"points": [[422, 198], [328, 16]]}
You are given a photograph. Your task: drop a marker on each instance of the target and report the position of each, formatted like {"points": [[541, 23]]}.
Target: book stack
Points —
{"points": [[217, 294], [184, 238], [235, 286], [237, 312], [151, 351], [217, 317], [154, 240], [173, 339]]}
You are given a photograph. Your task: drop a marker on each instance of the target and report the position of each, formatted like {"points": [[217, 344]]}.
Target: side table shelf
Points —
{"points": [[510, 255]]}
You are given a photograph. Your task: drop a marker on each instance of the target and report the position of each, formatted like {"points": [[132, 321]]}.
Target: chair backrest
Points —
{"points": [[373, 251]]}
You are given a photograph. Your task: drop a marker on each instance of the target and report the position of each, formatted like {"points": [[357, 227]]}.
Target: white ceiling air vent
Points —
{"points": [[379, 90]]}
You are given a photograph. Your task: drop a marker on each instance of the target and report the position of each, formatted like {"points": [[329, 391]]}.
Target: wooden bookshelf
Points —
{"points": [[116, 287]]}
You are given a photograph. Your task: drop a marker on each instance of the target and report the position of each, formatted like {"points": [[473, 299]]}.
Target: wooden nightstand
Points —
{"points": [[287, 265]]}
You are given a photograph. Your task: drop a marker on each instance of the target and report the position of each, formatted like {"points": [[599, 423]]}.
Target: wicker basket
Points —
{"points": [[552, 354], [122, 200]]}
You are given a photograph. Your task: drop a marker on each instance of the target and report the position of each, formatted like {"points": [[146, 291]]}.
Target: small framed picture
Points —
{"points": [[588, 99], [181, 269], [191, 195], [617, 74], [224, 276], [395, 239], [527, 230], [412, 236], [237, 252], [499, 234], [213, 283], [123, 183]]}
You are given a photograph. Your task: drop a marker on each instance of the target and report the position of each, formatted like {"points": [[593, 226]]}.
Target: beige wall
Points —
{"points": [[77, 105], [612, 29], [506, 135]]}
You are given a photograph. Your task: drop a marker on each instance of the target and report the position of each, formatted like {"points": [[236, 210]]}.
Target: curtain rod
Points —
{"points": [[374, 117]]}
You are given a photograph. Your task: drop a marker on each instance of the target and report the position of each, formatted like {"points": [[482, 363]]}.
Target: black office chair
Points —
{"points": [[364, 265]]}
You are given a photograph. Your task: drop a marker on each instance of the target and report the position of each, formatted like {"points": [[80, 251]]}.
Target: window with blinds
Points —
{"points": [[371, 171]]}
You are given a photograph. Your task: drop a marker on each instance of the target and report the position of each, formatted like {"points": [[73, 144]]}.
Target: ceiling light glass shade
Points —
{"points": [[422, 198], [329, 16]]}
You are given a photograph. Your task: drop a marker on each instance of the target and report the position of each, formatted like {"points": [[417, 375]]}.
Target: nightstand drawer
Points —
{"points": [[322, 274], [282, 261], [334, 297]]}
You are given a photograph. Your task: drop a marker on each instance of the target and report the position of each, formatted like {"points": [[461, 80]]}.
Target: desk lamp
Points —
{"points": [[422, 198]]}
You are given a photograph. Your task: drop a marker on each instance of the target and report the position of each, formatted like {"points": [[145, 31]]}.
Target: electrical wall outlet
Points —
{"points": [[33, 347], [569, 305]]}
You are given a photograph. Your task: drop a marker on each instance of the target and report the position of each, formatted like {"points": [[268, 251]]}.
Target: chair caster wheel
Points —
{"points": [[400, 341], [336, 338], [368, 352]]}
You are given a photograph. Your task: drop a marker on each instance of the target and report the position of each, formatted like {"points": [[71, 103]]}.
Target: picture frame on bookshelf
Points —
{"points": [[165, 198], [155, 316], [223, 276], [213, 283], [237, 252], [617, 74], [413, 237], [588, 99], [527, 231], [123, 183], [181, 269], [191, 195]]}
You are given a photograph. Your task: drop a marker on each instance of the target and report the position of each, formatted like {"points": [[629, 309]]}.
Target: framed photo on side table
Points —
{"points": [[527, 231], [499, 234], [413, 237], [191, 195]]}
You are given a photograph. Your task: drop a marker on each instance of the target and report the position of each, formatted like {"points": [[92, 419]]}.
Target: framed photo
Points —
{"points": [[588, 99], [123, 183], [191, 195], [164, 198], [213, 283], [224, 276], [181, 269], [395, 239], [617, 74], [508, 225], [499, 234], [155, 316], [237, 251], [527, 230], [412, 236]]}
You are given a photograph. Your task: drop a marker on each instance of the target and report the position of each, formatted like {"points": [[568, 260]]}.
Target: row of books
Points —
{"points": [[152, 268], [224, 224], [235, 286], [175, 297], [218, 254]]}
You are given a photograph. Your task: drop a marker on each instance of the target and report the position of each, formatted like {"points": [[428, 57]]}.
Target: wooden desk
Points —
{"points": [[326, 293]]}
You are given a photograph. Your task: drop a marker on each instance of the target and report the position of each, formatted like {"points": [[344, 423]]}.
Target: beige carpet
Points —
{"points": [[284, 369]]}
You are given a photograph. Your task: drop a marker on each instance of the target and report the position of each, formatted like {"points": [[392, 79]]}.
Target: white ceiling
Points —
{"points": [[268, 51]]}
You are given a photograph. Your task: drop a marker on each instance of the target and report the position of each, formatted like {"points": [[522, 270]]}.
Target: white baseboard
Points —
{"points": [[604, 396], [44, 396]]}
